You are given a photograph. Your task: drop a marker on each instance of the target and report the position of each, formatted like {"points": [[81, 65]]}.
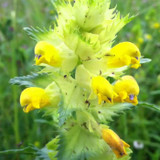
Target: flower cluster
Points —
{"points": [[86, 71]]}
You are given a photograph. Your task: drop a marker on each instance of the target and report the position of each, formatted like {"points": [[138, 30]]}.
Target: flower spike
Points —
{"points": [[78, 64]]}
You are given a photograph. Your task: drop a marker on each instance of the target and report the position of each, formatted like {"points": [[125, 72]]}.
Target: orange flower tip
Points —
{"points": [[117, 145]]}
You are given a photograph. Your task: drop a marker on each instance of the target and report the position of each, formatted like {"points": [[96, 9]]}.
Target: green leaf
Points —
{"points": [[127, 157], [36, 33], [105, 113], [149, 105], [39, 34], [77, 143], [145, 60], [46, 153], [42, 154], [27, 150], [155, 92], [110, 156], [73, 97], [52, 147], [40, 80]]}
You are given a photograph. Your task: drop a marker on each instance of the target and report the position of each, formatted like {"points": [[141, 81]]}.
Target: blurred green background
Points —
{"points": [[138, 126]]}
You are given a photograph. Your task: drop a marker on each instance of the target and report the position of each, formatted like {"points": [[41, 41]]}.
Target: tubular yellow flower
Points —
{"points": [[103, 89], [33, 98], [127, 90], [124, 54], [47, 53], [117, 145]]}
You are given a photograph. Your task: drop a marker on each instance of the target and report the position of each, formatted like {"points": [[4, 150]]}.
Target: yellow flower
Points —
{"points": [[33, 98], [156, 25], [47, 53], [124, 54], [140, 40], [117, 145], [103, 89], [148, 37], [127, 90]]}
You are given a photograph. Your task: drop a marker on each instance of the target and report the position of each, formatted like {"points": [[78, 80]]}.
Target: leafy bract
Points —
{"points": [[104, 114], [40, 80]]}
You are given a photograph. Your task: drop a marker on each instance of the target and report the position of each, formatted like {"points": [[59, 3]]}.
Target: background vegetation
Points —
{"points": [[138, 126]]}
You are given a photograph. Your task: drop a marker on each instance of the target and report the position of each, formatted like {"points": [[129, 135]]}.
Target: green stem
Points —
{"points": [[13, 74]]}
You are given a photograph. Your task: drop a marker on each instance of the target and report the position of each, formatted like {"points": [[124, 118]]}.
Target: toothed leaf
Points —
{"points": [[149, 106], [105, 113], [40, 80], [79, 144]]}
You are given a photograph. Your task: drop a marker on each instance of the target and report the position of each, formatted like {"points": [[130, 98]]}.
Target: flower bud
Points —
{"points": [[117, 145]]}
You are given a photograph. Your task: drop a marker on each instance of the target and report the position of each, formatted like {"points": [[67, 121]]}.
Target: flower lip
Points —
{"points": [[121, 153], [46, 53], [103, 89], [25, 106], [33, 98], [137, 58], [110, 99], [131, 97]]}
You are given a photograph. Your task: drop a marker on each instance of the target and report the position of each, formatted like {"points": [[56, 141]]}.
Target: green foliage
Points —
{"points": [[40, 80], [139, 123], [39, 154], [26, 150], [149, 105], [36, 33], [78, 144], [104, 114]]}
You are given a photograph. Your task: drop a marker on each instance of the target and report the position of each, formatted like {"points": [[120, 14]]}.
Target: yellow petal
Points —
{"points": [[47, 53], [125, 144], [156, 25], [127, 90], [117, 145], [124, 54], [117, 61], [28, 108], [123, 95], [103, 89], [33, 98]]}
